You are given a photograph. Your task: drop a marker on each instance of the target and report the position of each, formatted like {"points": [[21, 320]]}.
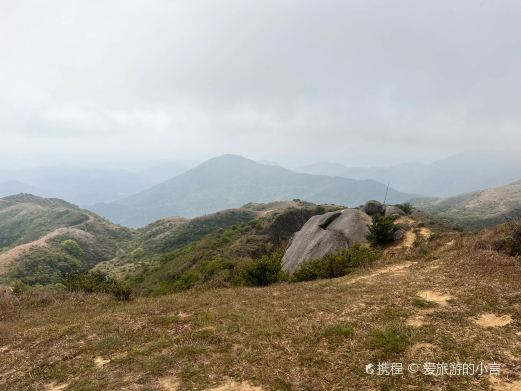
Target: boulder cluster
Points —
{"points": [[327, 233]]}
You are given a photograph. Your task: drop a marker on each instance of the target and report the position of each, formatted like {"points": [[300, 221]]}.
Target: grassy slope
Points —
{"points": [[33, 228], [478, 209], [305, 336]]}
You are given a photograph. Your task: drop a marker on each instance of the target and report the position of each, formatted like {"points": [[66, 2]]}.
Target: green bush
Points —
{"points": [[381, 231], [406, 207], [336, 265], [96, 282], [264, 271], [202, 273]]}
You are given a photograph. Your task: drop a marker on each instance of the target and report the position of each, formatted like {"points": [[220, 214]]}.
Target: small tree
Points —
{"points": [[381, 232]]}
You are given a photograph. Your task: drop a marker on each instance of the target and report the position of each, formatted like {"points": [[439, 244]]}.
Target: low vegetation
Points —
{"points": [[337, 264], [406, 207], [96, 282], [263, 272], [505, 239]]}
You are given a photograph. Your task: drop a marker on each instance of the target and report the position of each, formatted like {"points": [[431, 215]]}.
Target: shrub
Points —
{"points": [[381, 231], [72, 248], [511, 243], [264, 271], [406, 207], [336, 265], [96, 282], [202, 273]]}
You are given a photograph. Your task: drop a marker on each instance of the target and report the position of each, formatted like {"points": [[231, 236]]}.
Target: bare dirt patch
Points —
{"points": [[390, 269], [499, 385], [423, 351], [55, 386], [425, 233], [232, 385], [100, 361], [416, 321], [449, 244], [169, 383], [435, 297], [491, 320], [409, 239]]}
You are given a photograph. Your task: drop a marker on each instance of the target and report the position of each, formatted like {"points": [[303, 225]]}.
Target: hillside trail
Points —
{"points": [[8, 257], [411, 235]]}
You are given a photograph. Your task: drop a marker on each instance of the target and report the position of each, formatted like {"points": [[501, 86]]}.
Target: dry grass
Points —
{"points": [[306, 336]]}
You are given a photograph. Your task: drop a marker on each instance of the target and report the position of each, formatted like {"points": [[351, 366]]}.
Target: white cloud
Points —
{"points": [[293, 81]]}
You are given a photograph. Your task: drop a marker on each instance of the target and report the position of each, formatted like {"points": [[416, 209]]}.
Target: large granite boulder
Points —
{"points": [[325, 234]]}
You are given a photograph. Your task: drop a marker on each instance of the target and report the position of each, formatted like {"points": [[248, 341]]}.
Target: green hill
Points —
{"points": [[42, 238], [230, 181], [477, 209], [175, 254]]}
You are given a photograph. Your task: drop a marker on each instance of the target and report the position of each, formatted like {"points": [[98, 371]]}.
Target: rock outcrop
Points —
{"points": [[325, 234], [391, 210]]}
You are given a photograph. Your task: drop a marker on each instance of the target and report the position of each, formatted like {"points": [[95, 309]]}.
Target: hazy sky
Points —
{"points": [[292, 81]]}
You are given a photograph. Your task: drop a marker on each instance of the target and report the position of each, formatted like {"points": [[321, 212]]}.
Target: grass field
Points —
{"points": [[450, 299]]}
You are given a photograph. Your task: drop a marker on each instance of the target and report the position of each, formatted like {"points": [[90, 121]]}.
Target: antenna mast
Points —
{"points": [[386, 192]]}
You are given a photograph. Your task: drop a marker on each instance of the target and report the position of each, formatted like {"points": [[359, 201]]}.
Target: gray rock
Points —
{"points": [[398, 235], [373, 207], [325, 234], [403, 226], [391, 210]]}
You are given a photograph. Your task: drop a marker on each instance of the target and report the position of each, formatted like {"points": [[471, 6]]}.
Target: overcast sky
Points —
{"points": [[292, 81]]}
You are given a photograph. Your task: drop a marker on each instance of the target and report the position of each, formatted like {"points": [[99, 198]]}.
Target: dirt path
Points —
{"points": [[7, 258], [389, 269]]}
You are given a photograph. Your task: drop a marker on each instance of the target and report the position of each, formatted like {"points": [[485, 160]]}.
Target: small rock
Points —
{"points": [[403, 226], [391, 210], [373, 207], [399, 235]]}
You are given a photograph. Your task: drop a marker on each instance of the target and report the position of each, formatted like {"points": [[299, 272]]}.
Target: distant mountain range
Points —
{"points": [[477, 209], [230, 181], [455, 175], [87, 185]]}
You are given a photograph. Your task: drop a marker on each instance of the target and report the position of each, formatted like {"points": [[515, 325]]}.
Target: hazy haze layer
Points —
{"points": [[358, 82]]}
